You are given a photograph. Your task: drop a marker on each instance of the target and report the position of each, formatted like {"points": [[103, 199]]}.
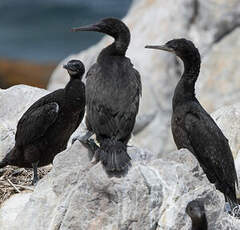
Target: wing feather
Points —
{"points": [[113, 99], [35, 122], [210, 147]]}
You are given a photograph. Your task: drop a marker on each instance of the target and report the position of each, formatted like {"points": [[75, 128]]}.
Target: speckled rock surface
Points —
{"points": [[11, 208], [219, 81], [228, 119], [79, 195]]}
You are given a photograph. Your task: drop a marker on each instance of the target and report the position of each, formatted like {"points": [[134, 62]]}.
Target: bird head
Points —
{"points": [[195, 209], [75, 68], [111, 26], [183, 48]]}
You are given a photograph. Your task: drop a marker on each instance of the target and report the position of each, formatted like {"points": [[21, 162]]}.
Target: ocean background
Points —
{"points": [[40, 30]]}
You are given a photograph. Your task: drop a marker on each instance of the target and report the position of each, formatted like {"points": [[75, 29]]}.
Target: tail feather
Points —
{"points": [[114, 157], [3, 164], [8, 159]]}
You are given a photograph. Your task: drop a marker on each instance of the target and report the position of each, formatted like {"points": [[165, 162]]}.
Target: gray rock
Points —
{"points": [[10, 208], [228, 120], [79, 195], [219, 81], [154, 194]]}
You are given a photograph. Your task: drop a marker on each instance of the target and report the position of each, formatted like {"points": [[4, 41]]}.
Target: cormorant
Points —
{"points": [[113, 90], [195, 209], [194, 129], [44, 129]]}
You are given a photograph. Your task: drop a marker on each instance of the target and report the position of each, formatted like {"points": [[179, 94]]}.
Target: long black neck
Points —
{"points": [[200, 224], [118, 47], [185, 89], [74, 89]]}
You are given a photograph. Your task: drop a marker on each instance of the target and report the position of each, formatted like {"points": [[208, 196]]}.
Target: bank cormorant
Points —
{"points": [[113, 90], [194, 129], [44, 129]]}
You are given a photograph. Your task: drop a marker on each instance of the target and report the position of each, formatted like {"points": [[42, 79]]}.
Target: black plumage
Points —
{"points": [[44, 129], [113, 90], [195, 209], [194, 129]]}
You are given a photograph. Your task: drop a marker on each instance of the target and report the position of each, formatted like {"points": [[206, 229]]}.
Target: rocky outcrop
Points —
{"points": [[219, 82], [208, 23], [11, 208], [78, 195], [228, 119]]}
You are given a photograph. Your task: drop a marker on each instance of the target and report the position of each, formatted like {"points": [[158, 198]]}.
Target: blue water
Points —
{"points": [[39, 30]]}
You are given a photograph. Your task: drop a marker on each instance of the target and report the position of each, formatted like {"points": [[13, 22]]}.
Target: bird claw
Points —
{"points": [[95, 157], [235, 212], [83, 139], [74, 139], [94, 160], [35, 181]]}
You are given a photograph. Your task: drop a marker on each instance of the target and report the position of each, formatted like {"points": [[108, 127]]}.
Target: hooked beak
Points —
{"points": [[164, 47], [93, 27]]}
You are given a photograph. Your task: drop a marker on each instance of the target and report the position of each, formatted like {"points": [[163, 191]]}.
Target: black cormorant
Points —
{"points": [[195, 209], [113, 90], [44, 129], [194, 129]]}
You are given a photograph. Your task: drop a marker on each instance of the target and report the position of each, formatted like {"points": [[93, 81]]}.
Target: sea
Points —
{"points": [[40, 30]]}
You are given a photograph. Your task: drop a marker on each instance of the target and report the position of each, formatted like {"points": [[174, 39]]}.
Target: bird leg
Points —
{"points": [[92, 150], [35, 173], [83, 138], [236, 211], [89, 144]]}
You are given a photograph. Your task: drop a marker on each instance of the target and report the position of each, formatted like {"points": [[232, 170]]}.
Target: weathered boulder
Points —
{"points": [[14, 102], [206, 23], [219, 80], [154, 194], [228, 119], [11, 208], [79, 195]]}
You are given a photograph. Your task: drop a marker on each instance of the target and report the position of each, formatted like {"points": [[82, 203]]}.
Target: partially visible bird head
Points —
{"points": [[111, 26], [75, 68], [195, 209], [183, 48]]}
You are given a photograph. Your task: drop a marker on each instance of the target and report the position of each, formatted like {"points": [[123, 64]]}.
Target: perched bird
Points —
{"points": [[44, 129], [194, 129], [195, 209], [113, 90]]}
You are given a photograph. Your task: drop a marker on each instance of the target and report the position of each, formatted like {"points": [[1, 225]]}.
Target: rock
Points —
{"points": [[228, 120], [79, 195], [154, 194], [219, 81], [10, 209], [14, 72], [14, 102], [205, 22]]}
